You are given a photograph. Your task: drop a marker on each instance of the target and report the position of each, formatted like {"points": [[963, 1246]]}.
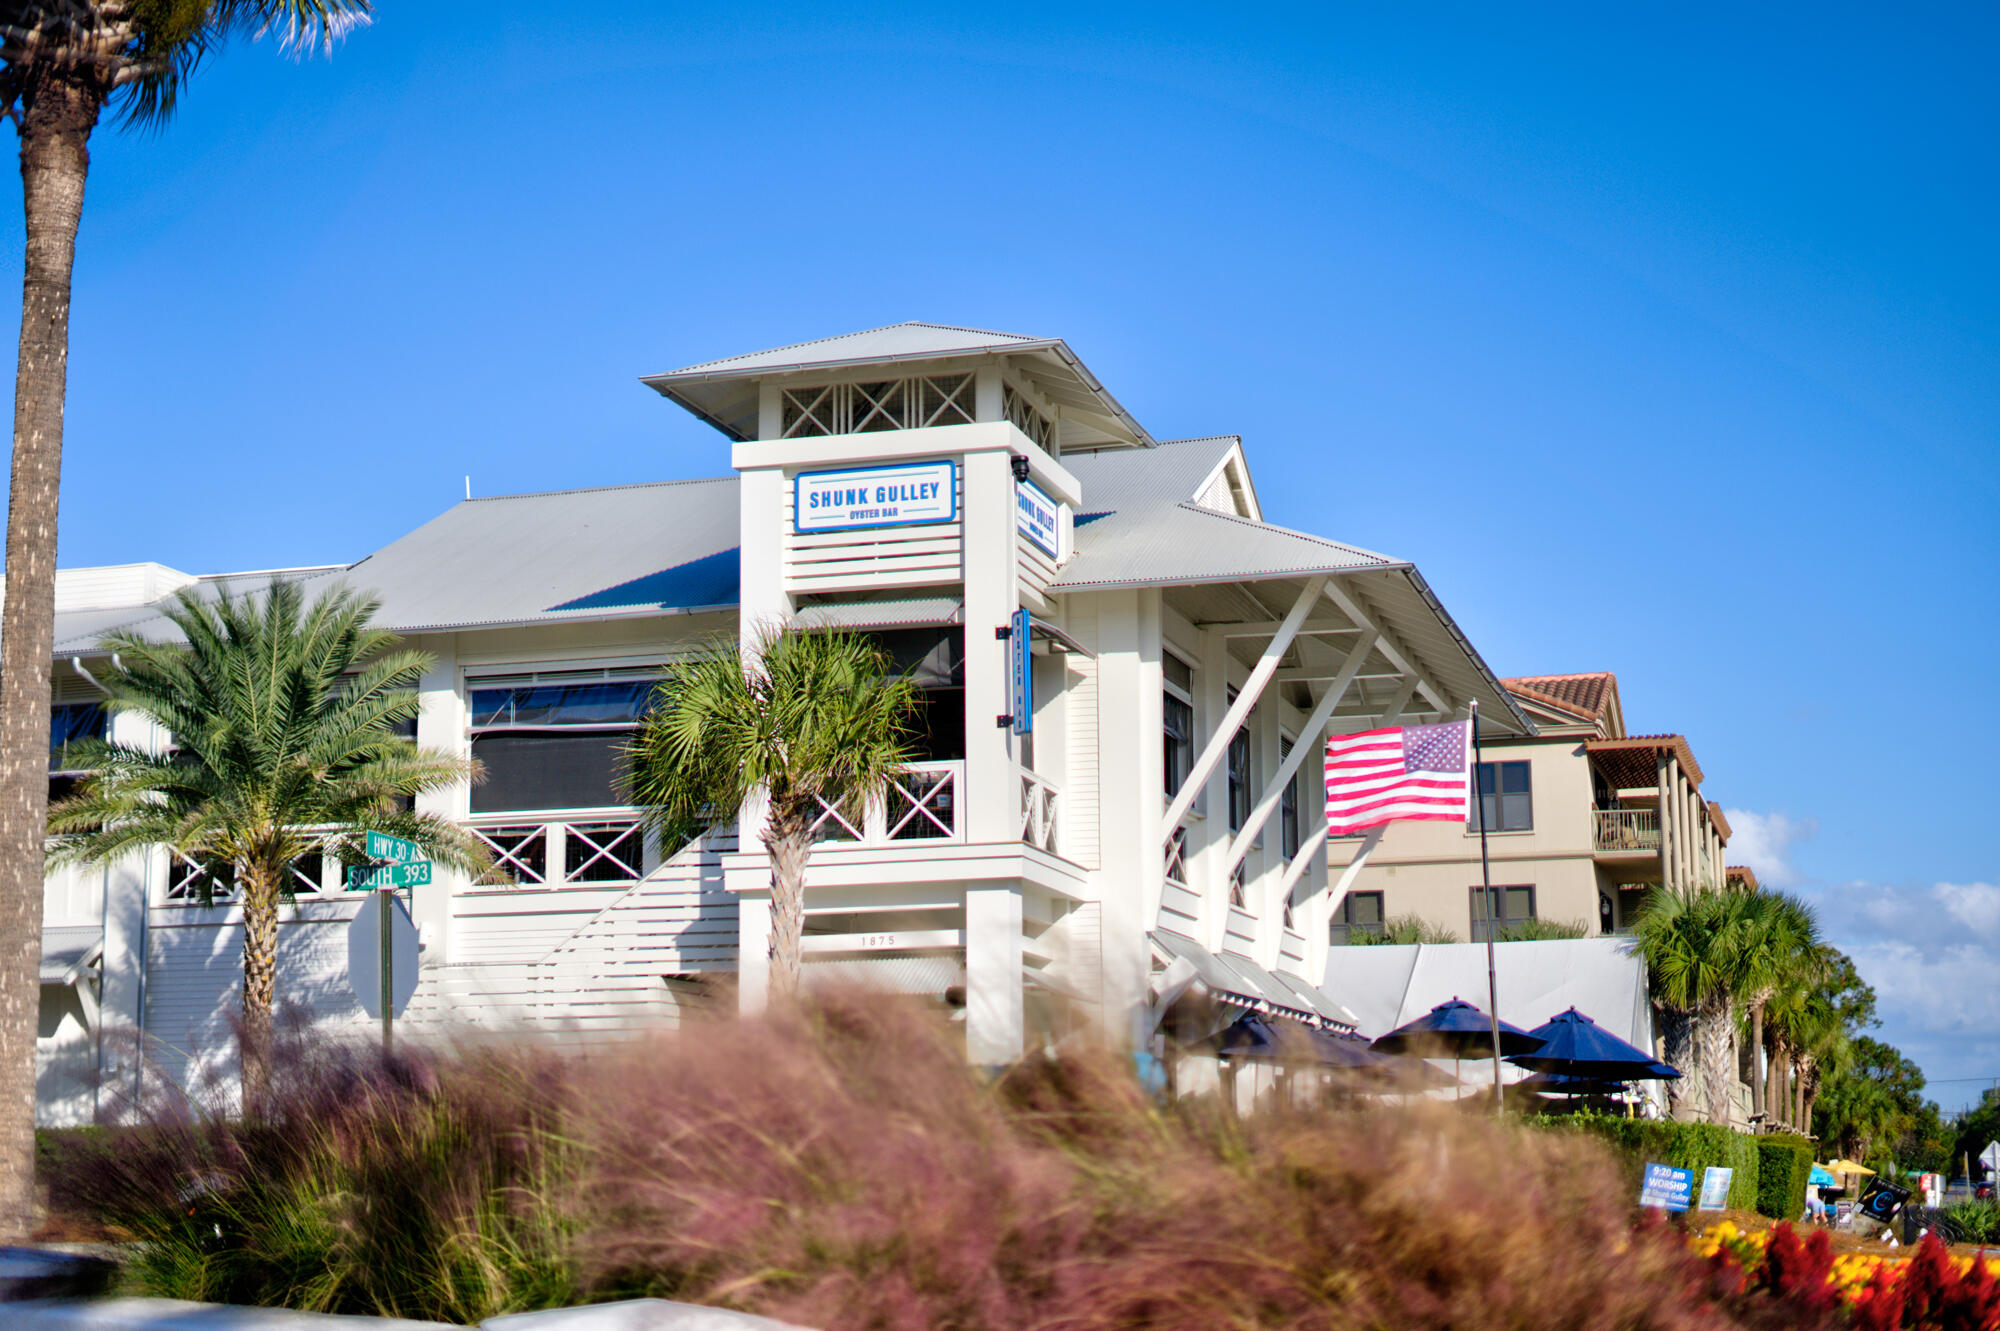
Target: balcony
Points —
{"points": [[921, 804], [1626, 830], [580, 848]]}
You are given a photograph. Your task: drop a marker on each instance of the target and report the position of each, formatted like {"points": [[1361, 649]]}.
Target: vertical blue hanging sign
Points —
{"points": [[1021, 674]]}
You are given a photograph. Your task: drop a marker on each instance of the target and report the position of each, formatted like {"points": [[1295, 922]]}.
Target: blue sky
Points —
{"points": [[1661, 341]]}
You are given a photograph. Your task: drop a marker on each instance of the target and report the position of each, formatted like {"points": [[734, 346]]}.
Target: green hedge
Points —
{"points": [[1784, 1166], [1693, 1146]]}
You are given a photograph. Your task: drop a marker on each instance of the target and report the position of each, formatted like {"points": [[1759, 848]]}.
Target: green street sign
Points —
{"points": [[363, 879], [382, 846]]}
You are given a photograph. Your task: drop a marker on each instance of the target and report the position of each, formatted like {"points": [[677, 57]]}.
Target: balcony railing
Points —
{"points": [[573, 848], [1177, 857], [1041, 800], [921, 805], [1627, 829]]}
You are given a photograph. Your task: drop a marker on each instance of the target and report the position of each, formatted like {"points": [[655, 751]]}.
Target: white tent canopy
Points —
{"points": [[1388, 985]]}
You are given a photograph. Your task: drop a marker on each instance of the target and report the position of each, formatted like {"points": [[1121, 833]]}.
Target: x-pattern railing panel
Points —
{"points": [[520, 854], [1177, 857], [604, 852], [1040, 800], [888, 404], [921, 806]]}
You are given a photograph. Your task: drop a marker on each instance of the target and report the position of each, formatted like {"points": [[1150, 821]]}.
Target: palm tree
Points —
{"points": [[802, 720], [62, 62], [283, 717], [1693, 948], [1780, 944]]}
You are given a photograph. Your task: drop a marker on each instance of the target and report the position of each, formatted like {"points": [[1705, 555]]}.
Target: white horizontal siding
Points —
{"points": [[912, 556]]}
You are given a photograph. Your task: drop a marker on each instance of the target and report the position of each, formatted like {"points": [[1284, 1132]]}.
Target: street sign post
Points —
{"points": [[382, 959]]}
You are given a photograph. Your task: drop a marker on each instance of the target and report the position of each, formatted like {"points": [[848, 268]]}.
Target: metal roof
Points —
{"points": [[1140, 528], [723, 392], [79, 631], [911, 340], [67, 950], [618, 552]]}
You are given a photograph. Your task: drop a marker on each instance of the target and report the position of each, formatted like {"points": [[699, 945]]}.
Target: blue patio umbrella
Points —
{"points": [[1556, 1083], [1821, 1177], [1455, 1029], [1576, 1046]]}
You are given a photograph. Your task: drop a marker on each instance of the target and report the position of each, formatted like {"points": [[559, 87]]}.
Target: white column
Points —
{"points": [[1670, 826], [753, 955], [993, 1001], [442, 724], [1208, 837], [128, 887], [763, 607], [992, 795], [1129, 725]]}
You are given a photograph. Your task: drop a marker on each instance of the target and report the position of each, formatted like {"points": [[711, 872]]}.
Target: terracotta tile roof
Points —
{"points": [[1741, 875], [1587, 695], [1721, 823], [1633, 756]]}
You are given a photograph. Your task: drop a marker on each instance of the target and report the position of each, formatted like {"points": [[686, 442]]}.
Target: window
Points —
{"points": [[1359, 913], [1177, 711], [555, 740], [1288, 808], [70, 722], [1238, 763], [1505, 799], [1513, 905]]}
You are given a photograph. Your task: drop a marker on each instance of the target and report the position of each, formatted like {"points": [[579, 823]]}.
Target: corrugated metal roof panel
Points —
{"points": [[893, 613], [910, 340]]}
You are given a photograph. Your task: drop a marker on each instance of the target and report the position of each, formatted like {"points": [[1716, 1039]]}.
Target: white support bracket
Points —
{"points": [[1308, 741], [1217, 747], [1353, 606]]}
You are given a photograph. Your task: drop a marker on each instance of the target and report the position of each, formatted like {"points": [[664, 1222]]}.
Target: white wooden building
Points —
{"points": [[1150, 838]]}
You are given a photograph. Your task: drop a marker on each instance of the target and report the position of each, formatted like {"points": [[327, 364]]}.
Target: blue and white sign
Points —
{"points": [[1667, 1188], [1021, 673], [853, 498], [1037, 518], [1715, 1188]]}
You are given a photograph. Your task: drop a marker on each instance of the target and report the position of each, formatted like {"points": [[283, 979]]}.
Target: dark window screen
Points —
{"points": [[549, 770], [1506, 798]]}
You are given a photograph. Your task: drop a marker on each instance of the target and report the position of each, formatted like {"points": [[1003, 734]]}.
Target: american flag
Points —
{"points": [[1380, 776]]}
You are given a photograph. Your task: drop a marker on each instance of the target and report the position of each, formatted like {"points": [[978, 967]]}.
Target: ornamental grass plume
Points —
{"points": [[838, 1165]]}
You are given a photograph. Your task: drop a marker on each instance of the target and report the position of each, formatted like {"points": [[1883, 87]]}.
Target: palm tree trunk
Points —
{"points": [[56, 117], [788, 839], [259, 886], [1712, 1052], [1676, 1028], [1756, 1052]]}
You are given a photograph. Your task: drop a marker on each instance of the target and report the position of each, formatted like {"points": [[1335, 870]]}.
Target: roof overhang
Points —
{"points": [[726, 395], [1640, 746]]}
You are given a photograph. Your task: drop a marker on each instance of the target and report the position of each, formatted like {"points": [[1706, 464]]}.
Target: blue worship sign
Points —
{"points": [[1037, 518], [1021, 673], [1715, 1188], [855, 498], [1665, 1187]]}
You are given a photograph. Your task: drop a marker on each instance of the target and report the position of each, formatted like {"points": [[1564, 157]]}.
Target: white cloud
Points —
{"points": [[1974, 905], [1763, 841], [1932, 955]]}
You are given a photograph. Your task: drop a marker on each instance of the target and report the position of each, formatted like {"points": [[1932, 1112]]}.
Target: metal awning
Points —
{"points": [[1240, 980], [890, 613]]}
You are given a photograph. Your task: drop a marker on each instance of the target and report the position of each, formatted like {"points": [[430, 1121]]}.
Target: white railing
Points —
{"points": [[573, 847], [192, 883], [1177, 857], [921, 805], [1627, 829], [1041, 799]]}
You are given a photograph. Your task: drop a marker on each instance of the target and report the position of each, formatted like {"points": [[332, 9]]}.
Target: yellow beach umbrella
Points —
{"points": [[1849, 1167]]}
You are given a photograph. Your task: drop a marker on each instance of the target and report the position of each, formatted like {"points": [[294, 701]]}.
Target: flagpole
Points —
{"points": [[1492, 917]]}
